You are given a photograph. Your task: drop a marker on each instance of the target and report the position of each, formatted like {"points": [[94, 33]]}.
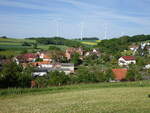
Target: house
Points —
{"points": [[70, 51], [126, 60], [94, 51], [45, 56], [119, 74], [42, 64], [68, 66], [148, 49], [147, 66], [134, 47], [28, 57], [43, 68], [39, 72]]}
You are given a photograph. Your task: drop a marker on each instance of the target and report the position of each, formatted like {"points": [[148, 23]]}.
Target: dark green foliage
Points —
{"points": [[5, 37], [54, 78], [42, 82], [34, 45], [93, 74], [39, 60], [26, 44], [24, 51], [76, 59], [116, 45], [58, 78], [13, 75], [133, 73], [57, 41], [90, 38]]}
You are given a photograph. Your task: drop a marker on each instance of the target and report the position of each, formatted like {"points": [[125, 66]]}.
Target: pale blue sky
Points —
{"points": [[27, 18]]}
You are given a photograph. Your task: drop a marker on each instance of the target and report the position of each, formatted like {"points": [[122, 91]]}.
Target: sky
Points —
{"points": [[68, 18]]}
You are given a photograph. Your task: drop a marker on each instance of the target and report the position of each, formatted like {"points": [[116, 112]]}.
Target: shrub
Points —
{"points": [[41, 82], [13, 75], [133, 74], [26, 44], [58, 78]]}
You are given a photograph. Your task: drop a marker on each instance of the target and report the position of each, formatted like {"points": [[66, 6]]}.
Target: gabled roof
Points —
{"points": [[120, 74], [127, 58]]}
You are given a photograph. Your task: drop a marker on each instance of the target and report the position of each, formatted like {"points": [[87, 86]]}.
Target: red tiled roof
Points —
{"points": [[120, 74], [28, 55], [39, 63], [128, 57]]}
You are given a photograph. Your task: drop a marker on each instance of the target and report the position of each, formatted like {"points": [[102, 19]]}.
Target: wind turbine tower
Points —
{"points": [[105, 37], [82, 30], [57, 28]]}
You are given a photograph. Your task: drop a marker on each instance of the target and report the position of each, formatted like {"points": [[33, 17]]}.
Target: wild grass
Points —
{"points": [[19, 91], [93, 98]]}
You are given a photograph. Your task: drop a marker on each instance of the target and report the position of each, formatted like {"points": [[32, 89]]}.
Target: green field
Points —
{"points": [[84, 98], [13, 47]]}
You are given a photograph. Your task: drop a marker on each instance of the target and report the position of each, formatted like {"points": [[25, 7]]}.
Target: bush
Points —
{"points": [[39, 60], [13, 75], [133, 74], [42, 82], [92, 75], [26, 44], [58, 78]]}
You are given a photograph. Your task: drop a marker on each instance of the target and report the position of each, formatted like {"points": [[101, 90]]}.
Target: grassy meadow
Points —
{"points": [[84, 98], [13, 47]]}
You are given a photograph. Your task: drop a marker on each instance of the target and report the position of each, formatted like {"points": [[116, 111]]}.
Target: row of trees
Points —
{"points": [[57, 41], [13, 75]]}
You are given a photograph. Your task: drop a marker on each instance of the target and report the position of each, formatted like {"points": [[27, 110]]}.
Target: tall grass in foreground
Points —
{"points": [[54, 89]]}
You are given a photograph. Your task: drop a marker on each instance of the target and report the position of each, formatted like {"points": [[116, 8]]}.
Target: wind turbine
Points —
{"points": [[57, 28], [105, 37], [82, 30]]}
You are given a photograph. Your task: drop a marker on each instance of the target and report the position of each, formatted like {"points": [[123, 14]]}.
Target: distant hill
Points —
{"points": [[116, 45]]}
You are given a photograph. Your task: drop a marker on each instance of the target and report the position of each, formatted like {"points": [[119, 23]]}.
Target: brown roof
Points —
{"points": [[120, 74], [128, 58], [28, 55], [133, 46]]}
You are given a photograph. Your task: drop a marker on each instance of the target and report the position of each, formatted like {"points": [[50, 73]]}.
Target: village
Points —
{"points": [[43, 62]]}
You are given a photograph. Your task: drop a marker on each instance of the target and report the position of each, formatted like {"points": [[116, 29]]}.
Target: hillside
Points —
{"points": [[83, 99]]}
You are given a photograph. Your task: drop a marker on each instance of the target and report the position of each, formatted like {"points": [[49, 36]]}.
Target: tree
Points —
{"points": [[34, 45], [13, 75], [58, 78], [26, 44], [126, 53], [76, 59], [133, 73]]}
